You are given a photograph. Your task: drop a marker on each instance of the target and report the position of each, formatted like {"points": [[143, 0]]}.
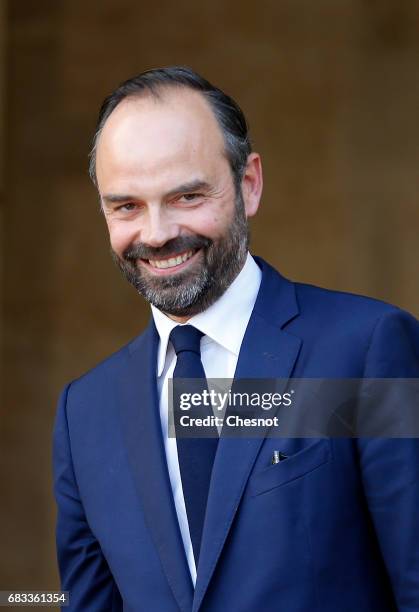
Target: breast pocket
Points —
{"points": [[294, 466]]}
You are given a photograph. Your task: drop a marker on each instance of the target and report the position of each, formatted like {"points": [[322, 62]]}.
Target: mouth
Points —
{"points": [[171, 264]]}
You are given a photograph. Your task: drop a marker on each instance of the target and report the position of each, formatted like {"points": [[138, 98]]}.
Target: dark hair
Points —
{"points": [[227, 112]]}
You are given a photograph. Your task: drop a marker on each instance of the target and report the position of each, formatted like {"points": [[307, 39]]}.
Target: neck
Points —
{"points": [[178, 319]]}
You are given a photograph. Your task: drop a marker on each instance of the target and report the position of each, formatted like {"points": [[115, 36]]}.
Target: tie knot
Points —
{"points": [[186, 338]]}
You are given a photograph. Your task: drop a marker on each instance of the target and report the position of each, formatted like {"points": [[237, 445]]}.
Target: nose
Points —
{"points": [[157, 228]]}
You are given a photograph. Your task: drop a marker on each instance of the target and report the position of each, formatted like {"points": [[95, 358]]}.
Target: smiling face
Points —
{"points": [[177, 227]]}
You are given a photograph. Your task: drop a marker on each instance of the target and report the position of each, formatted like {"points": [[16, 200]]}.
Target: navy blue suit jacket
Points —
{"points": [[334, 527]]}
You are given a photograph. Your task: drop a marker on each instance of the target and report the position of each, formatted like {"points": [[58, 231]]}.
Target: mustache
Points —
{"points": [[171, 247]]}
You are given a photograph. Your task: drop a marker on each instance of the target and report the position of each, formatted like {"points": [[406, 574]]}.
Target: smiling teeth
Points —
{"points": [[170, 263]]}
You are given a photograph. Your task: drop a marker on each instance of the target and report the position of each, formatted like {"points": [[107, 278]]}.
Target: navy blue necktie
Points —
{"points": [[196, 454]]}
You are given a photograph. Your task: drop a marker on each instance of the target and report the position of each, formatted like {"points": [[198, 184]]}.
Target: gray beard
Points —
{"points": [[186, 294]]}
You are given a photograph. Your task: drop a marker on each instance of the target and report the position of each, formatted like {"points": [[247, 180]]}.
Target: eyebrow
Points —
{"points": [[115, 199], [189, 187]]}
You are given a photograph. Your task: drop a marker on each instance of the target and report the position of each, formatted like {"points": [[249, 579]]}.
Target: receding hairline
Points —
{"points": [[156, 84], [159, 93]]}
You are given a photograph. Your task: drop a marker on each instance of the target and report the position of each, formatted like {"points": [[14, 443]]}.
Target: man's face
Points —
{"points": [[178, 229]]}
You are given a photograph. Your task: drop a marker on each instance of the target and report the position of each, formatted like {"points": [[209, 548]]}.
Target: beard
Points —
{"points": [[193, 290]]}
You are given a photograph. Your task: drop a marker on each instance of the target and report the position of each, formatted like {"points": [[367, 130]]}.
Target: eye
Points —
{"points": [[127, 207], [190, 197]]}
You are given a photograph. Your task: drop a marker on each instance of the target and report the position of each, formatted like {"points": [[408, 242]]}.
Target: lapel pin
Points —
{"points": [[277, 457]]}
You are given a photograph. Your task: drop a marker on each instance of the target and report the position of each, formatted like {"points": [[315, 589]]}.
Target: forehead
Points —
{"points": [[151, 137]]}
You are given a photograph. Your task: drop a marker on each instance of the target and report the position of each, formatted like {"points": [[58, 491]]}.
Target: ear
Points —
{"points": [[252, 184]]}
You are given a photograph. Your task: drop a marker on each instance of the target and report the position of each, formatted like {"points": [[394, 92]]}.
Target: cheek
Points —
{"points": [[211, 227], [224, 215], [214, 222], [121, 235]]}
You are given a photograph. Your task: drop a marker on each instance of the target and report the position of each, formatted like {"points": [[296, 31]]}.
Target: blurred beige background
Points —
{"points": [[331, 90]]}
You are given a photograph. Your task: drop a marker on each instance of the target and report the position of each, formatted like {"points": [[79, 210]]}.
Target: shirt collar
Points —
{"points": [[225, 321]]}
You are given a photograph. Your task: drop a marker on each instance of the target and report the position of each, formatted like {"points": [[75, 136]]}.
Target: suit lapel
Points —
{"points": [[266, 352], [142, 432]]}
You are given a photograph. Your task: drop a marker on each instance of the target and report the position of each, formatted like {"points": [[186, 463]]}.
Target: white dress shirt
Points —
{"points": [[223, 325]]}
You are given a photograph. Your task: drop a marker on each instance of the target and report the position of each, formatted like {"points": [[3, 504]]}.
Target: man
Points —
{"points": [[333, 524]]}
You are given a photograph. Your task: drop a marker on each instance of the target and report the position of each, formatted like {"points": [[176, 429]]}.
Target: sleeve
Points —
{"points": [[83, 569], [390, 467]]}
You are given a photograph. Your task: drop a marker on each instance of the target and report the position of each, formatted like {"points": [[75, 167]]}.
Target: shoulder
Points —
{"points": [[386, 336], [104, 373], [350, 333], [349, 309], [327, 301], [308, 302]]}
